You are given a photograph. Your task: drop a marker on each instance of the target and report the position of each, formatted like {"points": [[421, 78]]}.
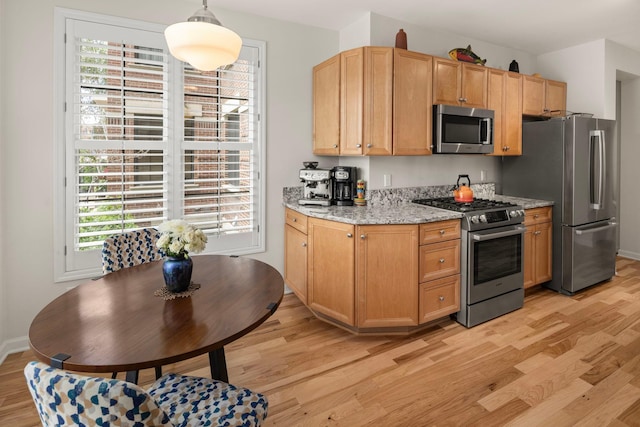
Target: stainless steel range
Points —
{"points": [[491, 260]]}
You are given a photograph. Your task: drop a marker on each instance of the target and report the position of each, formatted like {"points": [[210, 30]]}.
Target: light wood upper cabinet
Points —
{"points": [[412, 106], [537, 246], [326, 107], [387, 275], [542, 97], [331, 275], [383, 103], [459, 83], [505, 99]]}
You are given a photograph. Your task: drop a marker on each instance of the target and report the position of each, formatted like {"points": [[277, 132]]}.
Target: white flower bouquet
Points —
{"points": [[178, 238]]}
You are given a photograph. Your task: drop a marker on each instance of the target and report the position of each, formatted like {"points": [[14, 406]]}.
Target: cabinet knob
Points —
{"points": [[304, 245], [362, 236], [441, 298], [536, 216], [349, 235], [537, 232], [441, 260], [369, 145], [335, 145], [442, 232], [295, 219], [358, 145], [462, 99]]}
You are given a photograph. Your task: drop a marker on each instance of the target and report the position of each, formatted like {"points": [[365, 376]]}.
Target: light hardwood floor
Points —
{"points": [[559, 361]]}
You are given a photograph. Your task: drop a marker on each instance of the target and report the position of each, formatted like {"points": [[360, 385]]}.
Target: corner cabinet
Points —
{"points": [[459, 83], [537, 246], [505, 99], [373, 101], [374, 278]]}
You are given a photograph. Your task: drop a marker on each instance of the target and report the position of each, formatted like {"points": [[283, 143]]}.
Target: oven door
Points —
{"points": [[494, 262]]}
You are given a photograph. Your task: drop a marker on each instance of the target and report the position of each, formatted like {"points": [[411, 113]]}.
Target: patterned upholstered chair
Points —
{"points": [[66, 399], [129, 249]]}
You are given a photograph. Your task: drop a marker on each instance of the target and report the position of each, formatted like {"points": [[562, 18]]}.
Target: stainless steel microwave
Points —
{"points": [[462, 130]]}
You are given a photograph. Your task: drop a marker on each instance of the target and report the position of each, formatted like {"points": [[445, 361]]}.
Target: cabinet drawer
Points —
{"points": [[441, 231], [439, 260], [439, 298], [537, 215], [296, 220]]}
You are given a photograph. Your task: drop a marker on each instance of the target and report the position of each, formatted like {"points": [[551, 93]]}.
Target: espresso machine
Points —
{"points": [[344, 185], [317, 185]]}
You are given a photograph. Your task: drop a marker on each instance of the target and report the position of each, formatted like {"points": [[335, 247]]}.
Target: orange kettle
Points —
{"points": [[461, 192]]}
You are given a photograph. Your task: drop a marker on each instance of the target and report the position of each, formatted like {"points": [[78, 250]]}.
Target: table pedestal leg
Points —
{"points": [[218, 365]]}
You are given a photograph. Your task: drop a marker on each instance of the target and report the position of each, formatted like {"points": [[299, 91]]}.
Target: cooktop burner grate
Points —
{"points": [[450, 204]]}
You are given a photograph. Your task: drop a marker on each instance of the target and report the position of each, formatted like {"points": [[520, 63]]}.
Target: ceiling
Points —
{"points": [[534, 26]]}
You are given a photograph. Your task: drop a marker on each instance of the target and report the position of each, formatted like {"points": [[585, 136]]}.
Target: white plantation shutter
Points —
{"points": [[148, 138]]}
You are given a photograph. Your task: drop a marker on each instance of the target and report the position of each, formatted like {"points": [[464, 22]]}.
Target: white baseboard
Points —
{"points": [[14, 345], [627, 254]]}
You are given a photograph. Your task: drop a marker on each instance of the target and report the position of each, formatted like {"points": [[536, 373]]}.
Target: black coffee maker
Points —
{"points": [[344, 185]]}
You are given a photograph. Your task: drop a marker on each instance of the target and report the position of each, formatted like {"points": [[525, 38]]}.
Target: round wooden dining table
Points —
{"points": [[117, 323]]}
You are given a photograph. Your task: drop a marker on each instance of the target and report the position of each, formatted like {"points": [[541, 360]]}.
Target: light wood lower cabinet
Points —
{"points": [[537, 246], [374, 278], [387, 275], [331, 280]]}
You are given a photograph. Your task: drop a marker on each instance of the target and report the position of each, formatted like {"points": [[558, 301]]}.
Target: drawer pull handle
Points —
{"points": [[441, 260], [536, 216], [441, 298], [349, 235], [442, 232]]}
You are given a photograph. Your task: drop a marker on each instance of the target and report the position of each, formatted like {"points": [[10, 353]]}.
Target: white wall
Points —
{"points": [[26, 115]]}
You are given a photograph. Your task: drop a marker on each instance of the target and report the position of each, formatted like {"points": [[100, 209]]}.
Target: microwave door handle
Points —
{"points": [[486, 129], [597, 165], [482, 237]]}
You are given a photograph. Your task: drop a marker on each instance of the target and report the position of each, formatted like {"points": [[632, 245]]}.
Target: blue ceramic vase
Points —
{"points": [[177, 273]]}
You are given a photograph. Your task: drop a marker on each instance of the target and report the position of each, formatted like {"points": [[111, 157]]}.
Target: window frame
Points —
{"points": [[63, 223]]}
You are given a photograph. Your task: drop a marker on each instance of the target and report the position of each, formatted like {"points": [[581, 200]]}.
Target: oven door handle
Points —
{"points": [[481, 237]]}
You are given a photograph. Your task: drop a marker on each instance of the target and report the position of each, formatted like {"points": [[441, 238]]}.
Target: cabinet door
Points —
{"points": [[331, 280], [533, 96], [387, 275], [326, 107], [295, 262], [446, 81], [351, 101], [378, 101], [512, 114], [474, 86], [543, 252], [529, 254], [556, 98], [495, 101], [412, 103]]}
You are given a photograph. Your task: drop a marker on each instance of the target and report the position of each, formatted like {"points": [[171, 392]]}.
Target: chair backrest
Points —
{"points": [[63, 398], [129, 249]]}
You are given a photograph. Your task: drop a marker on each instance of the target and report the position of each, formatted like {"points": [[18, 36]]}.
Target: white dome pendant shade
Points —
{"points": [[202, 41]]}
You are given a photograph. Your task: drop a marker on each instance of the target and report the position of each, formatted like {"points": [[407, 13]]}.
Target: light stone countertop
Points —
{"points": [[394, 208]]}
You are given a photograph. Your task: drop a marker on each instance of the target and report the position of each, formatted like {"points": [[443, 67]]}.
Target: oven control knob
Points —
{"points": [[475, 219], [515, 214], [483, 218]]}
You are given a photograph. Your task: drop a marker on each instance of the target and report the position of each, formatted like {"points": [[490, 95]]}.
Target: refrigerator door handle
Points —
{"points": [[610, 224], [597, 168]]}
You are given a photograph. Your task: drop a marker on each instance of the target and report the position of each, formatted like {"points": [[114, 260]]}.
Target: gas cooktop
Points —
{"points": [[479, 214], [450, 204]]}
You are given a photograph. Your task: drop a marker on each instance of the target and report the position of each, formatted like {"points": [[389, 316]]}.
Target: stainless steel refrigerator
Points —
{"points": [[571, 161]]}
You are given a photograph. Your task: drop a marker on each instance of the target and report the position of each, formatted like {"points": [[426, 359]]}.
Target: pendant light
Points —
{"points": [[202, 41]]}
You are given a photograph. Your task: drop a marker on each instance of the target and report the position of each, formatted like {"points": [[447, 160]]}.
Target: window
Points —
{"points": [[148, 138]]}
